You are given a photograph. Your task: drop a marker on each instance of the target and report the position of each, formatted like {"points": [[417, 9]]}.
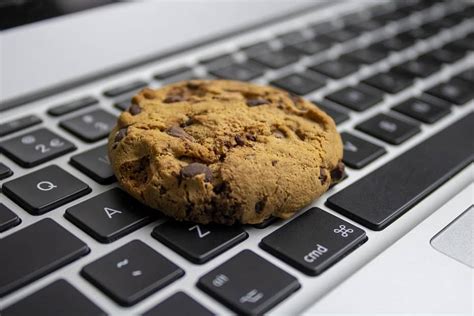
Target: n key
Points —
{"points": [[45, 189], [33, 148], [109, 216], [198, 243]]}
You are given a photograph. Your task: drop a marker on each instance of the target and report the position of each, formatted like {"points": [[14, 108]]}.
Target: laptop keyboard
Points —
{"points": [[356, 78]]}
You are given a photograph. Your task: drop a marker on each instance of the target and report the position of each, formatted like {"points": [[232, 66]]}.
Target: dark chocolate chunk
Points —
{"points": [[256, 102], [260, 205], [196, 168], [193, 85], [134, 109], [177, 131], [323, 175], [274, 162], [239, 140], [121, 134], [174, 98], [337, 173], [251, 137]]}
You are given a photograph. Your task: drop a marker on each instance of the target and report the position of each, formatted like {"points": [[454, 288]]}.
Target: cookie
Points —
{"points": [[224, 151]]}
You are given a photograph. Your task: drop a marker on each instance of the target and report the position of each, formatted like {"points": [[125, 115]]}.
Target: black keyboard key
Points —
{"points": [[248, 284], [467, 75], [338, 116], [463, 44], [367, 26], [109, 215], [321, 28], [33, 148], [386, 202], [131, 273], [312, 46], [57, 298], [396, 43], [96, 164], [356, 98], [456, 91], [179, 304], [123, 105], [335, 68], [35, 251], [278, 58], [358, 153], [367, 55], [5, 172], [90, 126], [299, 84], [313, 241], [8, 219], [198, 243], [18, 124], [421, 67], [445, 55], [341, 35], [421, 32], [72, 106], [125, 88], [45, 189], [291, 37], [217, 61], [257, 49], [388, 128], [239, 71], [391, 82], [424, 110], [179, 72]]}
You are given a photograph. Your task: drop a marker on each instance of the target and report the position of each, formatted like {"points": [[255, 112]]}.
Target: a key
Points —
{"points": [[369, 202], [239, 71], [57, 298], [299, 84], [248, 284], [421, 32], [198, 243], [426, 110], [467, 75], [90, 126], [367, 26], [96, 164], [257, 49], [457, 91], [5, 172], [291, 37], [175, 73], [8, 219], [341, 35], [445, 55], [131, 273], [109, 215], [396, 43], [125, 88], [18, 124], [179, 304], [278, 58], [36, 251], [72, 106], [367, 55], [312, 46], [338, 116], [335, 68], [45, 189], [313, 241], [388, 128], [391, 82], [358, 153], [33, 148], [217, 61], [421, 67], [321, 28], [462, 44], [356, 98], [123, 105]]}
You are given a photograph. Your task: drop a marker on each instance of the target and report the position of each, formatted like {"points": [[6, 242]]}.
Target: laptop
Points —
{"points": [[396, 235]]}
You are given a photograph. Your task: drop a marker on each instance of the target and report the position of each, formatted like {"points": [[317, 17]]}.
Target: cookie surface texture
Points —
{"points": [[224, 151]]}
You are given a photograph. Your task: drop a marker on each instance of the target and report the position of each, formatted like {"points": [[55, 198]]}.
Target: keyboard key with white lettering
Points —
{"points": [[358, 152], [388, 128], [96, 164]]}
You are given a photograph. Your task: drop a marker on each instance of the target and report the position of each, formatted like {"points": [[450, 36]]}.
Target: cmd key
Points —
{"points": [[35, 251], [45, 189], [248, 284], [313, 241], [382, 196], [131, 273], [57, 298]]}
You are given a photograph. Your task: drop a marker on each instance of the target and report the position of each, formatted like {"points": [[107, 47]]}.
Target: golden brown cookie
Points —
{"points": [[224, 151]]}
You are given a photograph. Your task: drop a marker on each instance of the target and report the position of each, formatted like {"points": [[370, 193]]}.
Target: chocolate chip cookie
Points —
{"points": [[224, 151]]}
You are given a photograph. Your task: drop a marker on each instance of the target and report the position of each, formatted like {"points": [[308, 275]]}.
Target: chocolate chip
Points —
{"points": [[120, 134], [193, 85], [274, 162], [134, 109], [251, 137], [221, 187], [239, 140], [337, 174], [177, 131], [173, 98], [260, 205], [196, 168], [256, 102], [323, 175]]}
